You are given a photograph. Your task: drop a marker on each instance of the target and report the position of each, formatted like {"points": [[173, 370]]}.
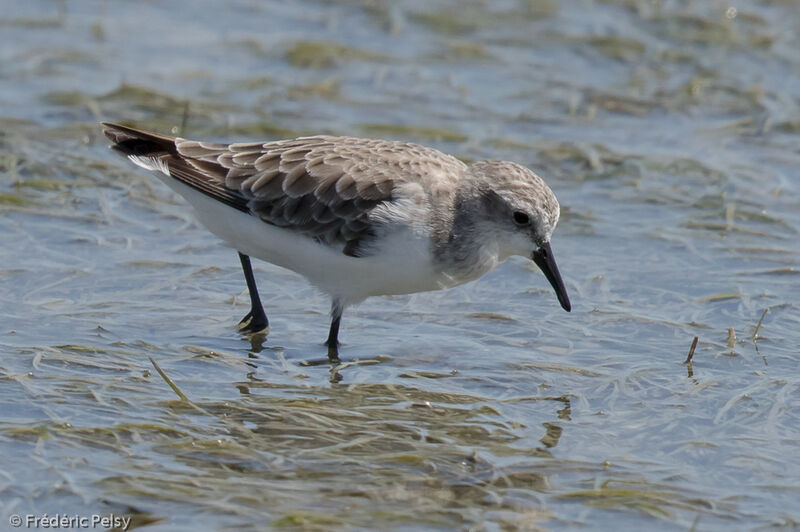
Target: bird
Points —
{"points": [[356, 217]]}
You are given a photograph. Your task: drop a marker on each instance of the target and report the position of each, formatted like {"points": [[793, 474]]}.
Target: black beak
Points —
{"points": [[543, 257]]}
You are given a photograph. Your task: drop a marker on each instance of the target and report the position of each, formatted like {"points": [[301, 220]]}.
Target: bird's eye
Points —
{"points": [[520, 218]]}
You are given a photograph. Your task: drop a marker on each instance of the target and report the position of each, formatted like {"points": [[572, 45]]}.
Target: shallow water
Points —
{"points": [[669, 132]]}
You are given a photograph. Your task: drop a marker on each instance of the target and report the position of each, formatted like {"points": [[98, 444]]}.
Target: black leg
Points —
{"points": [[333, 335], [255, 320]]}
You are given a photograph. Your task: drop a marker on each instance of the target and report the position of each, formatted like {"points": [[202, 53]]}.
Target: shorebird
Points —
{"points": [[356, 217]]}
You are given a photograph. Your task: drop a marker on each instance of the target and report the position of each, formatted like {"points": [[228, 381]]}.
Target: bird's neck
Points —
{"points": [[462, 245]]}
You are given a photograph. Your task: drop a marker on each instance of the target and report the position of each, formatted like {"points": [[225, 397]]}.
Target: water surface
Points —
{"points": [[669, 132]]}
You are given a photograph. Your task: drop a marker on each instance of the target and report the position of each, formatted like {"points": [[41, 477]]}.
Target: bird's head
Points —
{"points": [[522, 213]]}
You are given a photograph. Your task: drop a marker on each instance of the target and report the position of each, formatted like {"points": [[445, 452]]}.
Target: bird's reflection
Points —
{"points": [[257, 341]]}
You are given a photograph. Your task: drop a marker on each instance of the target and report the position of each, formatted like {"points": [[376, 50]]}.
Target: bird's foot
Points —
{"points": [[333, 351], [333, 354], [254, 322]]}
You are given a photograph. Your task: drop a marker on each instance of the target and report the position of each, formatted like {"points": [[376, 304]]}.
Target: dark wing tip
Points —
{"points": [[130, 141]]}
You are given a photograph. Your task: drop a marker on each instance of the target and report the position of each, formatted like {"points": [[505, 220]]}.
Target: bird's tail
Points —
{"points": [[160, 154], [130, 141]]}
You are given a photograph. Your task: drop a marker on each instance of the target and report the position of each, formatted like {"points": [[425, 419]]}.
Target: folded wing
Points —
{"points": [[323, 187]]}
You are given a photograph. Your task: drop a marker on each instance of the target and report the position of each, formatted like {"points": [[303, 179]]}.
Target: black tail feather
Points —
{"points": [[130, 141]]}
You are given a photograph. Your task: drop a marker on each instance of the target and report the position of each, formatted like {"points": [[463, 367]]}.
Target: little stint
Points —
{"points": [[356, 217]]}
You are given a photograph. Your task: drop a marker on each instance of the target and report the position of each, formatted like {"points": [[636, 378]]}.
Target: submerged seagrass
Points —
{"points": [[356, 217]]}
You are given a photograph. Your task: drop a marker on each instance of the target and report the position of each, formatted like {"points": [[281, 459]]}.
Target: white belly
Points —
{"points": [[401, 265]]}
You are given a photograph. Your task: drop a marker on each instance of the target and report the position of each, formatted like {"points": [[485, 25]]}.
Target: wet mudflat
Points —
{"points": [[669, 132]]}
